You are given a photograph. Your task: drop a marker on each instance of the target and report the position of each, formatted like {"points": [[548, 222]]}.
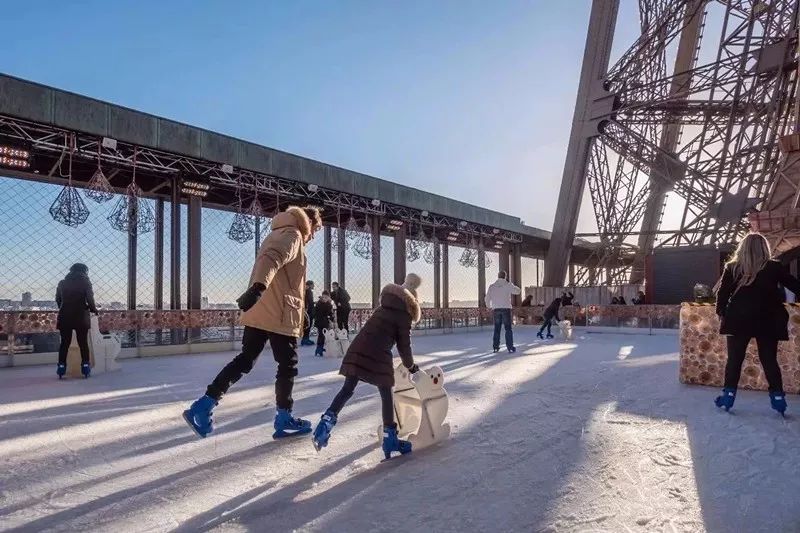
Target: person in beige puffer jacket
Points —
{"points": [[272, 309]]}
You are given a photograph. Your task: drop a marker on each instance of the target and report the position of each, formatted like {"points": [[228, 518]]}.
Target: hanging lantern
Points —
{"points": [[133, 214], [68, 207], [99, 188], [352, 230], [362, 245], [412, 250], [469, 257], [430, 252], [241, 229]]}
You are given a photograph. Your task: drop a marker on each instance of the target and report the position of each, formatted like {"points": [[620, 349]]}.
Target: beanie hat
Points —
{"points": [[412, 283]]}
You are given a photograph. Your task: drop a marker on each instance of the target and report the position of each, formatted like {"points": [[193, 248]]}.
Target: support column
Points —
{"points": [[400, 255], [257, 236], [175, 246], [516, 268], [504, 260], [327, 258], [158, 257], [340, 251], [437, 275], [193, 284], [445, 275], [376, 261], [596, 55], [571, 274], [132, 250], [481, 275]]}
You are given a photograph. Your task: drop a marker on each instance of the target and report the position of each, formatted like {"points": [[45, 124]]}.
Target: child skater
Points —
{"points": [[323, 318], [369, 359]]}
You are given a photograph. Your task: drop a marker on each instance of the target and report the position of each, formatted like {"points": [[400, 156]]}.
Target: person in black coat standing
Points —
{"points": [[342, 300], [369, 359], [323, 319], [750, 305], [549, 314], [75, 300], [309, 318]]}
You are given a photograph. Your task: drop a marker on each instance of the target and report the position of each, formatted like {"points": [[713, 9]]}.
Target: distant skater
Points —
{"points": [[549, 314], [75, 300], [273, 309], [342, 300], [323, 320], [308, 319], [498, 298], [750, 305], [369, 359]]}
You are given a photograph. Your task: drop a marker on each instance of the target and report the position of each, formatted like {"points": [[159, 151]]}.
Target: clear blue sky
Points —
{"points": [[469, 99]]}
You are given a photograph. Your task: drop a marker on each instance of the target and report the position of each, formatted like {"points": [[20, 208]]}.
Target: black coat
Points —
{"points": [[75, 299], [341, 298], [552, 310], [756, 310], [323, 315], [567, 300], [369, 357], [309, 301]]}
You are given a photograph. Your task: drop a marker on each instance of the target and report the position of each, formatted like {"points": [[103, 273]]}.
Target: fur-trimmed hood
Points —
{"points": [[293, 216], [398, 297]]}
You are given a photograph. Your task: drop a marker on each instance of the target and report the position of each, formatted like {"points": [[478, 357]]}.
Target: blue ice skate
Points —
{"points": [[726, 400], [61, 369], [513, 349], [86, 370], [323, 430], [198, 416], [319, 352], [393, 444], [778, 401], [288, 426], [306, 342]]}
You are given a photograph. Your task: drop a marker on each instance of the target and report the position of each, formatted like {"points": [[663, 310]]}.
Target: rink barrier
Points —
{"points": [[31, 337], [703, 351]]}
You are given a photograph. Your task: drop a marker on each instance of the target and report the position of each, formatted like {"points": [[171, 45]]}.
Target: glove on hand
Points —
{"points": [[413, 369], [250, 297]]}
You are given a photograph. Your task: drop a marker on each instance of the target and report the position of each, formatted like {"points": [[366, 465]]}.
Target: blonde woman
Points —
{"points": [[750, 305]]}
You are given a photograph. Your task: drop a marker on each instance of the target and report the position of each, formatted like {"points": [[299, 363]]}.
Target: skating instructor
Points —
{"points": [[750, 305], [273, 309]]}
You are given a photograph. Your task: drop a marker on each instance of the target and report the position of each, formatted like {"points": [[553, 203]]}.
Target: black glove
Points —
{"points": [[250, 296], [413, 369]]}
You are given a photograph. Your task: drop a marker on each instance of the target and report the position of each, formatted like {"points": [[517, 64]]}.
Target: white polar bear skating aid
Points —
{"points": [[420, 406], [566, 329], [103, 351], [333, 348]]}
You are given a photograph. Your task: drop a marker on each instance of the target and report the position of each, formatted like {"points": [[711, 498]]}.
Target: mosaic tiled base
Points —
{"points": [[703, 352]]}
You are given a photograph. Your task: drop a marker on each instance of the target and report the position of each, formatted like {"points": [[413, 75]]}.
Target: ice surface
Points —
{"points": [[594, 435]]}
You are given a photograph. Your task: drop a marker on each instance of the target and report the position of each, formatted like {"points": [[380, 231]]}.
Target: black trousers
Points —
{"points": [[548, 323], [767, 354], [66, 340], [350, 382], [307, 324], [320, 338], [343, 318], [284, 350]]}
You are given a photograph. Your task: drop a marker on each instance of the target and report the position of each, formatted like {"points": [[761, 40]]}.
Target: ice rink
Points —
{"points": [[592, 435]]}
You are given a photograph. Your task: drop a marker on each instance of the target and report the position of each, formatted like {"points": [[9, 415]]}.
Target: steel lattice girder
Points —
{"points": [[733, 109], [50, 140]]}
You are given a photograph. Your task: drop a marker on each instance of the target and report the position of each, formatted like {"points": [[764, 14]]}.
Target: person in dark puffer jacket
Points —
{"points": [[75, 300], [323, 319], [369, 359]]}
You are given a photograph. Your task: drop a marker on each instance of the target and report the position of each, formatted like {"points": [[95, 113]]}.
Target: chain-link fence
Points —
{"points": [[532, 272], [463, 288]]}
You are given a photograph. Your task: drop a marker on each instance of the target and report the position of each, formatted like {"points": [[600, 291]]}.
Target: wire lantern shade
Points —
{"points": [[362, 245], [69, 208], [132, 213], [99, 188], [241, 229]]}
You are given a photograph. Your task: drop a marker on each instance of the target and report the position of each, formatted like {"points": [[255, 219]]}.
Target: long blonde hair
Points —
{"points": [[750, 257]]}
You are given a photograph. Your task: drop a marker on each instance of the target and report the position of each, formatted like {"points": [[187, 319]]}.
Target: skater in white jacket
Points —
{"points": [[498, 298]]}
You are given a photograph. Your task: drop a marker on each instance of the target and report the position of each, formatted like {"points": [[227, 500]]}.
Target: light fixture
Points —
{"points": [[425, 213], [227, 169], [375, 202], [394, 224], [14, 157], [109, 143], [313, 187], [495, 231], [195, 188], [463, 223]]}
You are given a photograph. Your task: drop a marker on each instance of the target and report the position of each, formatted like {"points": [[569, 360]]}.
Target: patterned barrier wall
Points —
{"points": [[703, 351]]}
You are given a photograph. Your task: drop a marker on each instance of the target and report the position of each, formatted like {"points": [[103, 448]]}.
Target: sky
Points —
{"points": [[469, 99]]}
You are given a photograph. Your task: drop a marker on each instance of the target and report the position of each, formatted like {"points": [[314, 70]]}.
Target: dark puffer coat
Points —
{"points": [[369, 357], [756, 310], [323, 315], [75, 299], [552, 309]]}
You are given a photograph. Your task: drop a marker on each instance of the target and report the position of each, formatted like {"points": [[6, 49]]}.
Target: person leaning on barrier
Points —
{"points": [[75, 300]]}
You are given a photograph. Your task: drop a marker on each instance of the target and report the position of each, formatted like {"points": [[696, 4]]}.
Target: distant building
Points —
{"points": [[6, 305], [43, 304], [204, 302], [27, 299]]}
